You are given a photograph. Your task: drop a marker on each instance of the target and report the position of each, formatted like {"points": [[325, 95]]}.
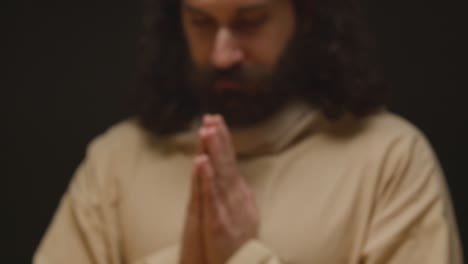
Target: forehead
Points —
{"points": [[225, 4]]}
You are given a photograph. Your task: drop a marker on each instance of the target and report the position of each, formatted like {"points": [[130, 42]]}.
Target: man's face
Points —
{"points": [[235, 46]]}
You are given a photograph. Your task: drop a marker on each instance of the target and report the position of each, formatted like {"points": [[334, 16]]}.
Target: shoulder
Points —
{"points": [[398, 151], [394, 135], [384, 142], [122, 134], [119, 145], [382, 124], [377, 132], [388, 124], [110, 160]]}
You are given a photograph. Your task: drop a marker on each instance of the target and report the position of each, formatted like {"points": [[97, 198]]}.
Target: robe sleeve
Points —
{"points": [[84, 228], [412, 220], [252, 252]]}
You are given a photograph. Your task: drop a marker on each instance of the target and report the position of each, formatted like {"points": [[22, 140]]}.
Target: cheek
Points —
{"points": [[200, 51], [199, 46], [267, 47], [261, 49]]}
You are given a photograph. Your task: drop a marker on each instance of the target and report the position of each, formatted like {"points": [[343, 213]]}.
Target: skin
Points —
{"points": [[225, 33], [222, 214]]}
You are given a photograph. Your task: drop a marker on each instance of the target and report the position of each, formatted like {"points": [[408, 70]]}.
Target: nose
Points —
{"points": [[226, 51]]}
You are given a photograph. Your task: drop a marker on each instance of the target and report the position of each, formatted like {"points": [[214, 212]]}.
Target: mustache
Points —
{"points": [[239, 72], [204, 77], [234, 73]]}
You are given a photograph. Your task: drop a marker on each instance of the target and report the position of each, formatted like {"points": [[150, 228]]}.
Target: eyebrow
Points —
{"points": [[195, 10], [252, 8], [239, 11]]}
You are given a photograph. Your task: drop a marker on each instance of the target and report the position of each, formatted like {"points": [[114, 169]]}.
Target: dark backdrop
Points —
{"points": [[70, 63]]}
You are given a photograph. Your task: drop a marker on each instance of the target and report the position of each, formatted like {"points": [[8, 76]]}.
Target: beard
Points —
{"points": [[263, 90]]}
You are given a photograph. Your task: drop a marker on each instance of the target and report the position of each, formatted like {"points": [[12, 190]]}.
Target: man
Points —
{"points": [[260, 137]]}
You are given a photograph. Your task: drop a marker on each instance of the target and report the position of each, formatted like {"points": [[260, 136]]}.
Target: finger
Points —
{"points": [[224, 164], [195, 196], [225, 136], [214, 211], [209, 120], [200, 146], [207, 123], [192, 242], [214, 214], [224, 130], [218, 122], [209, 197]]}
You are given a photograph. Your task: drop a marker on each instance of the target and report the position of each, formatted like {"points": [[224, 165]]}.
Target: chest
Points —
{"points": [[311, 209]]}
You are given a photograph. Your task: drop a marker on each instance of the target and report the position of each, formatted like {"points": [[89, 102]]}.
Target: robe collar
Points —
{"points": [[272, 135]]}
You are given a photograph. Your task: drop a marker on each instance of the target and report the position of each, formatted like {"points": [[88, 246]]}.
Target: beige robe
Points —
{"points": [[365, 191]]}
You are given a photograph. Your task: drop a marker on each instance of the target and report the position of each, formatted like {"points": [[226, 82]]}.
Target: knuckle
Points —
{"points": [[191, 218], [207, 189], [219, 228], [250, 195], [192, 210]]}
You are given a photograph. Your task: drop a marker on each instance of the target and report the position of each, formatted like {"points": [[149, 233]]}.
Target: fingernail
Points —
{"points": [[203, 158], [212, 130], [200, 159], [206, 130], [210, 118]]}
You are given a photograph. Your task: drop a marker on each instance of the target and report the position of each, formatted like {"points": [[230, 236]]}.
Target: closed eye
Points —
{"points": [[250, 23], [202, 22], [198, 18]]}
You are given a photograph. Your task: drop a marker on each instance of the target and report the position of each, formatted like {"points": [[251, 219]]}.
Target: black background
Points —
{"points": [[70, 63]]}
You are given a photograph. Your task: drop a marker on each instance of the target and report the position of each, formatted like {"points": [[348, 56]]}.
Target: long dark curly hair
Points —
{"points": [[334, 69]]}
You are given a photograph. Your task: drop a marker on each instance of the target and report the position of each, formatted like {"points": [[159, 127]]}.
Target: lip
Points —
{"points": [[222, 85]]}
